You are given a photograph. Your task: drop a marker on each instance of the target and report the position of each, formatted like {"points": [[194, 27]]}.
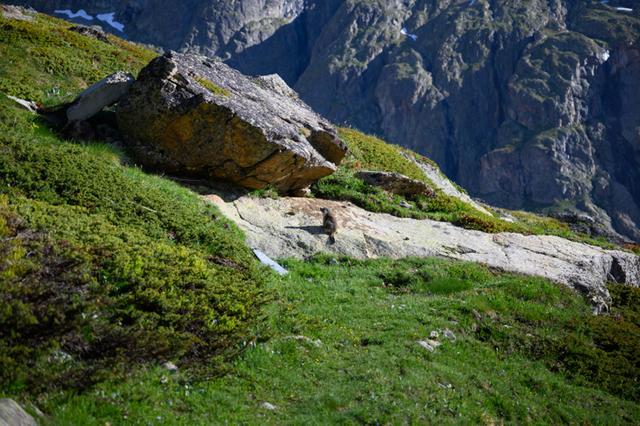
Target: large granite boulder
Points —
{"points": [[190, 115]]}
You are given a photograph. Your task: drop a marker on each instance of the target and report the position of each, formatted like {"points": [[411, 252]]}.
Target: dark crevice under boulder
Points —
{"points": [[191, 115]]}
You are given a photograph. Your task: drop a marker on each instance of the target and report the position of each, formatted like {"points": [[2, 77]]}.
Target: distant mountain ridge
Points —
{"points": [[532, 104]]}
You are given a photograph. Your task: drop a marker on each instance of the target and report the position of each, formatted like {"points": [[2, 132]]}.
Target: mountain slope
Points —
{"points": [[107, 271], [527, 104]]}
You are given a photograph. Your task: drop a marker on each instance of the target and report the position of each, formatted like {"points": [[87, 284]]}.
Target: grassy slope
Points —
{"points": [[72, 218], [526, 351], [45, 62], [102, 265]]}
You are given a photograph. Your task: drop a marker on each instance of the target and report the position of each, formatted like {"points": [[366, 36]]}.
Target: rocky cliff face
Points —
{"points": [[532, 104]]}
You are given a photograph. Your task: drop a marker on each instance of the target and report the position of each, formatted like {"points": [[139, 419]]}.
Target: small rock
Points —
{"points": [[275, 83], [316, 342], [170, 366], [268, 406], [94, 31], [429, 344], [449, 334], [406, 205], [213, 198], [434, 335], [105, 92], [60, 356], [266, 260], [16, 12], [12, 414], [395, 183], [302, 192], [28, 105]]}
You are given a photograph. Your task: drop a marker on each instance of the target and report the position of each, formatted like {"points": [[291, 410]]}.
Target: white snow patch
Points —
{"points": [[109, 19], [604, 56], [624, 9], [79, 14], [404, 32]]}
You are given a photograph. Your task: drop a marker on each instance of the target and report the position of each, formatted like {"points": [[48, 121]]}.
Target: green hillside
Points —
{"points": [[107, 271], [103, 266]]}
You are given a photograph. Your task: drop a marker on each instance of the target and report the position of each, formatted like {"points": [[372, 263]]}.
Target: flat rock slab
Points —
{"points": [[12, 414], [292, 227], [191, 115]]}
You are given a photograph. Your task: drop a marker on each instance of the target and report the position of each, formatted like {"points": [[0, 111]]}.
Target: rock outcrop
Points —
{"points": [[93, 31], [292, 227], [395, 183], [190, 115]]}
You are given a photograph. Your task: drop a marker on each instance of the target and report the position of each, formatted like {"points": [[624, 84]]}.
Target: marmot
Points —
{"points": [[329, 223]]}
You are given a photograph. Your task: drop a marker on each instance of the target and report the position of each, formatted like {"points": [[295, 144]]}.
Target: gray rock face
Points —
{"points": [[530, 104], [395, 183], [16, 12], [94, 31], [190, 115], [12, 414], [292, 227], [96, 97]]}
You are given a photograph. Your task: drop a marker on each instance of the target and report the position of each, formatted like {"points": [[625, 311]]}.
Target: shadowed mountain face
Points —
{"points": [[530, 104]]}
